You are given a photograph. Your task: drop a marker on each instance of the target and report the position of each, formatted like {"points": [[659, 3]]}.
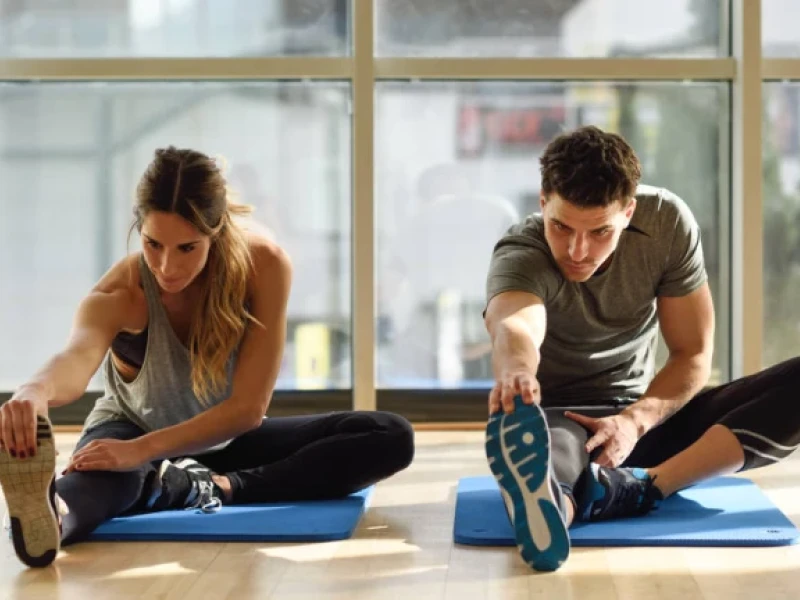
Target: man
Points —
{"points": [[575, 298]]}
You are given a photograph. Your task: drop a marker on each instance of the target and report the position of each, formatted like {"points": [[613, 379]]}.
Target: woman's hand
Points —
{"points": [[109, 455], [18, 424]]}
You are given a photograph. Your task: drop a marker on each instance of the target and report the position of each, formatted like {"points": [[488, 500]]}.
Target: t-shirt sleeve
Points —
{"points": [[518, 266], [685, 269]]}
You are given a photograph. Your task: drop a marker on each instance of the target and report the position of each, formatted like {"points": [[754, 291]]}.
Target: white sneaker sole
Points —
{"points": [[29, 488]]}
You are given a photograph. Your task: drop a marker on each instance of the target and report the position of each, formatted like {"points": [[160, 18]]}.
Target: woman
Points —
{"points": [[192, 330]]}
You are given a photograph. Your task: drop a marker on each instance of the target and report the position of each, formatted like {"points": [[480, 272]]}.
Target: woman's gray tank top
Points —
{"points": [[161, 394]]}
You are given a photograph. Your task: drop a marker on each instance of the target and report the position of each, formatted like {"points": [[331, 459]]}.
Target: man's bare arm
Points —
{"points": [[687, 324], [516, 322]]}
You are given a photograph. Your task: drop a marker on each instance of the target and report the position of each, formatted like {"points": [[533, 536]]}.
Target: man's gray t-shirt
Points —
{"points": [[599, 347]]}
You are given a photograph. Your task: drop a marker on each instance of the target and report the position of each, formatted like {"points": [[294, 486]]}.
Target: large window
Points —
{"points": [[456, 166], [72, 155], [781, 156], [779, 34], [190, 28], [387, 144], [568, 28], [781, 181]]}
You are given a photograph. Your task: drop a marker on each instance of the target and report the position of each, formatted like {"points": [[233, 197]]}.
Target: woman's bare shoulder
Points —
{"points": [[271, 276], [266, 253], [121, 284], [122, 276]]}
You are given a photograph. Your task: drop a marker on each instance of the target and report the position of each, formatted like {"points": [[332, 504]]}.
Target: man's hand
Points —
{"points": [[109, 455], [617, 435], [510, 384]]}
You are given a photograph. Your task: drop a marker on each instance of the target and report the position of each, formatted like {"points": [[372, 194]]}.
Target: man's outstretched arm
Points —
{"points": [[516, 322]]}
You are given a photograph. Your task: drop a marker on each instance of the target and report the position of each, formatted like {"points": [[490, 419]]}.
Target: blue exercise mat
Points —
{"points": [[726, 511], [284, 522]]}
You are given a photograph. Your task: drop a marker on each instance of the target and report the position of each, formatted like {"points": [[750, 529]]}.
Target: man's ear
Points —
{"points": [[542, 201], [630, 209]]}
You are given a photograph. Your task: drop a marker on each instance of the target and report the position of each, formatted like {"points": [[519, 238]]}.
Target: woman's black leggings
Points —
{"points": [[285, 459], [761, 410]]}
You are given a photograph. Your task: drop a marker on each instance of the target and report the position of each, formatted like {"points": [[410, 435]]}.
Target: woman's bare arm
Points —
{"points": [[65, 377]]}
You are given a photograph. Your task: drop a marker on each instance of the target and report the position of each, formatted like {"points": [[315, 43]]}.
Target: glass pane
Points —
{"points": [[72, 155], [779, 37], [557, 28], [162, 28], [781, 222], [457, 163]]}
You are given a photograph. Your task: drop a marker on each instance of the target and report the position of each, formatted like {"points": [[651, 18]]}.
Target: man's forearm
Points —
{"points": [[513, 347], [681, 378]]}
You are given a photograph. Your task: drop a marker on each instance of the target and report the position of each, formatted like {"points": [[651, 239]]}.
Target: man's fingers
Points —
{"points": [[596, 441], [528, 393], [589, 423], [494, 401], [611, 456], [604, 460], [507, 398]]}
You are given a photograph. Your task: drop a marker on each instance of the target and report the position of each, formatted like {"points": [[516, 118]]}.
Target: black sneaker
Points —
{"points": [[617, 493], [29, 488], [187, 484]]}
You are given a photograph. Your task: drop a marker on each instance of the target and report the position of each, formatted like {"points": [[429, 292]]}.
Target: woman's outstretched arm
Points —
{"points": [[66, 375]]}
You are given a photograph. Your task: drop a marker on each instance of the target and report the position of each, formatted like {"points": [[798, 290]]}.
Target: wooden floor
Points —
{"points": [[403, 549]]}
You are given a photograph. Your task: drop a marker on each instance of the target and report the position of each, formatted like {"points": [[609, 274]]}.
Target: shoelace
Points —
{"points": [[211, 507], [206, 501]]}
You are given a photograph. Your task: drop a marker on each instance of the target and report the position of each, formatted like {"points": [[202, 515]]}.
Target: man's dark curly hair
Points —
{"points": [[590, 168]]}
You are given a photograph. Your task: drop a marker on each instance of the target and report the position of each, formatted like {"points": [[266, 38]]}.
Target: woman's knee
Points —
{"points": [[401, 432], [393, 433]]}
